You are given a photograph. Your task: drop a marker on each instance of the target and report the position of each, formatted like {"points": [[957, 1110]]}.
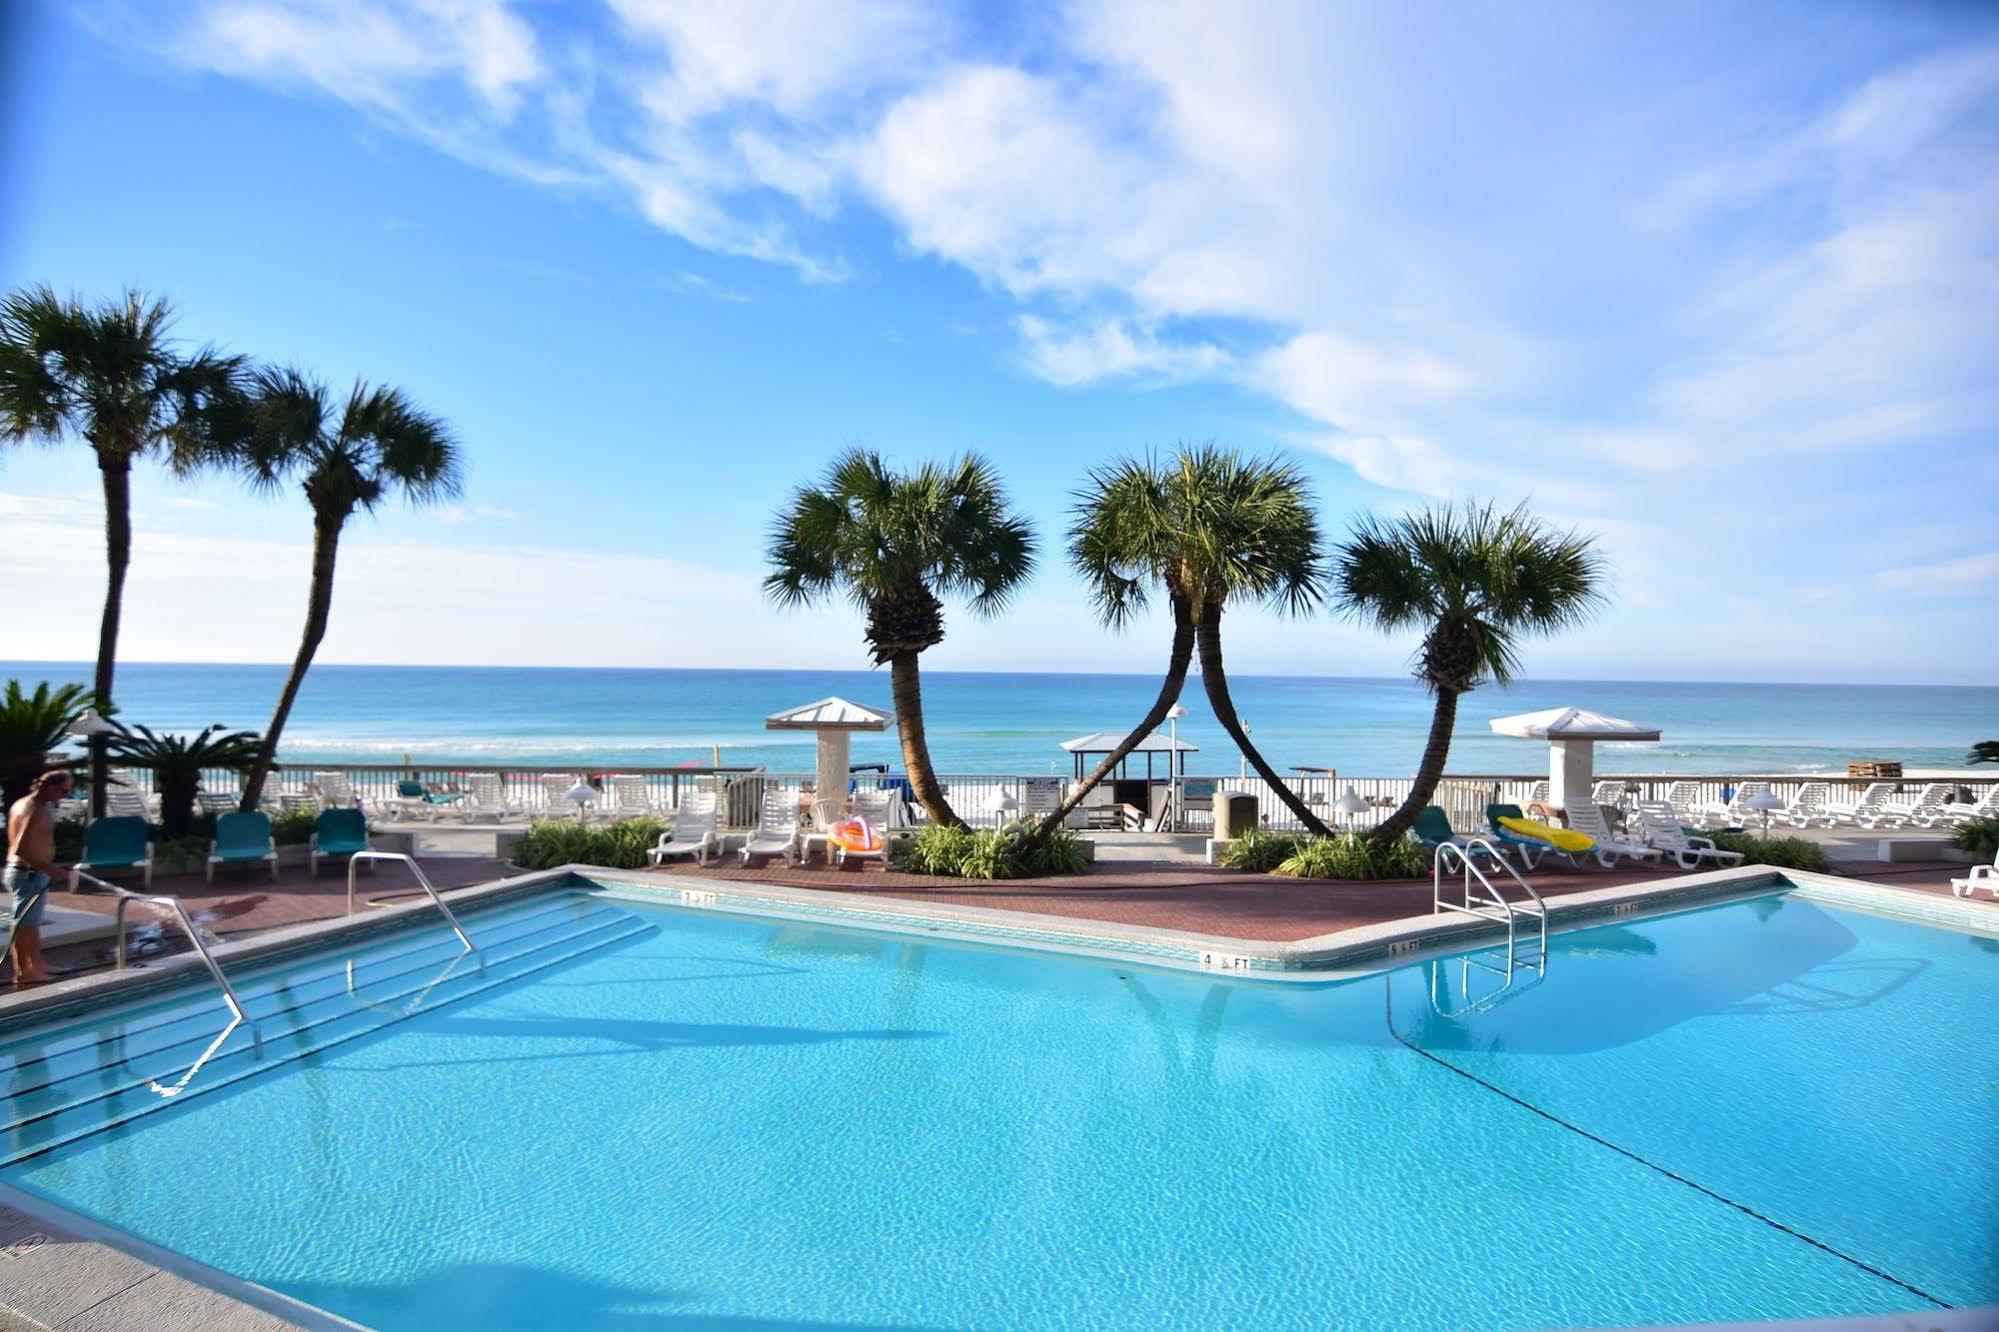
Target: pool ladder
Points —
{"points": [[1479, 896]]}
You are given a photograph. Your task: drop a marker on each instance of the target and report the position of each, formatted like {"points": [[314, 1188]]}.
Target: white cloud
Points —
{"points": [[1111, 349], [1963, 574]]}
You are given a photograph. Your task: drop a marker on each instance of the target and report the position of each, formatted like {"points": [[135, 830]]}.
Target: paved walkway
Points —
{"points": [[1194, 898], [1174, 895]]}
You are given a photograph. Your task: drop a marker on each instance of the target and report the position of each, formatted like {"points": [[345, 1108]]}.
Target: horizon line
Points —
{"points": [[87, 665]]}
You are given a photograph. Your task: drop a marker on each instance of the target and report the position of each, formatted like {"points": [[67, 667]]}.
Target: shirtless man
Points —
{"points": [[31, 867]]}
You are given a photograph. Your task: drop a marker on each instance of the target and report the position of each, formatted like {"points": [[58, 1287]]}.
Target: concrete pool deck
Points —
{"points": [[1172, 895]]}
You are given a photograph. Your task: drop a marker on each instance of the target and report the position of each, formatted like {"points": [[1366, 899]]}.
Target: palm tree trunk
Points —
{"points": [[906, 687], [117, 470], [1443, 721], [318, 609], [1169, 694], [1215, 679]]}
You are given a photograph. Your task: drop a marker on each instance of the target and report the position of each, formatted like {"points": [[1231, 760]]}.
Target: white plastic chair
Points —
{"points": [[1661, 829], [1587, 819], [334, 791], [693, 832], [776, 832], [629, 798], [1981, 876], [488, 799]]}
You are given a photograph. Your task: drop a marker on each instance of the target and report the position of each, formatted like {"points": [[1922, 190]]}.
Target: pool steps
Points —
{"points": [[86, 1077]]}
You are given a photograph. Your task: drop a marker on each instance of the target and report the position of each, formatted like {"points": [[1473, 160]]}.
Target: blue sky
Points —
{"points": [[1718, 282]]}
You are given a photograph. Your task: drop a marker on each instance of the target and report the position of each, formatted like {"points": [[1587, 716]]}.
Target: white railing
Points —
{"points": [[1462, 796]]}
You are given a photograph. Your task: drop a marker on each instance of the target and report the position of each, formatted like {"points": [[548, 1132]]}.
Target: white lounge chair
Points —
{"points": [[1735, 812], [1927, 809], [878, 808], [1880, 809], [1662, 829], [1865, 806], [334, 791], [776, 832], [1985, 807], [555, 789], [1587, 819], [488, 800], [1980, 876], [1809, 807], [693, 831], [123, 798], [1684, 798], [1613, 793], [630, 799]]}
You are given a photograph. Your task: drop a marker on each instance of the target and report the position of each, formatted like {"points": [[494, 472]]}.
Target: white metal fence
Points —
{"points": [[1462, 796]]}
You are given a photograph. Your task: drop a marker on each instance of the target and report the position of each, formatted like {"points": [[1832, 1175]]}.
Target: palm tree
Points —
{"points": [[1208, 528], [31, 727], [347, 458], [109, 376], [1476, 580], [177, 762], [896, 543]]}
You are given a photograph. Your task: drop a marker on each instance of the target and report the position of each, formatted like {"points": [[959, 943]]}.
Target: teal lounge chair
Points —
{"points": [[337, 832], [240, 839], [116, 843], [1432, 829]]}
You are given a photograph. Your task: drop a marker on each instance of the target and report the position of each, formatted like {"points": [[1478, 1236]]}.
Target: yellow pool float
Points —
{"points": [[1562, 839]]}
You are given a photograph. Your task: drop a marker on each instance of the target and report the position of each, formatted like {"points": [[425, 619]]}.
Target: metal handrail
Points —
{"points": [[126, 897], [1504, 910], [423, 879]]}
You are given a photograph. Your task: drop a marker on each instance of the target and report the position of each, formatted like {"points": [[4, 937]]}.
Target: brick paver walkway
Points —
{"points": [[1163, 894]]}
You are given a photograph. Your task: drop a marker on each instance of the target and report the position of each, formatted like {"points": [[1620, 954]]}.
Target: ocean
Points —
{"points": [[1015, 723]]}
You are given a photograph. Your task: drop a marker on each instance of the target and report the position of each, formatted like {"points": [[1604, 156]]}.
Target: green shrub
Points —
{"points": [[290, 827], [1776, 852], [551, 842], [69, 840], [1351, 856], [1979, 836], [990, 853], [1260, 850]]}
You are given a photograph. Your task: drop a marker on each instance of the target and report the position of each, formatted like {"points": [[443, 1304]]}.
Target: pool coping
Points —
{"points": [[126, 1282], [1338, 955], [1332, 956]]}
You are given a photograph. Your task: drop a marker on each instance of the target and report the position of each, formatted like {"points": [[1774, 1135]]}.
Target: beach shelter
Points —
{"points": [[1571, 734], [834, 720], [1084, 747]]}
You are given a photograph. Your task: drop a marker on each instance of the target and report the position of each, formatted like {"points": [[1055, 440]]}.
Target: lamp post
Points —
{"points": [[1350, 804], [1763, 802], [1174, 765], [582, 793]]}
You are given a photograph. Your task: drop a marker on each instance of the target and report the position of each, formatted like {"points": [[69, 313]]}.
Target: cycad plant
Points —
{"points": [[1476, 581], [896, 544], [1206, 529], [177, 761], [108, 376], [32, 726], [347, 457]]}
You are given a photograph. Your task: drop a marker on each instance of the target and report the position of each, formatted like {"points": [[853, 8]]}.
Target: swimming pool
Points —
{"points": [[620, 1112]]}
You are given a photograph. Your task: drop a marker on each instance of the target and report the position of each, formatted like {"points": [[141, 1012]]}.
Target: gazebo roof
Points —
{"points": [[1572, 724], [1103, 742], [830, 714]]}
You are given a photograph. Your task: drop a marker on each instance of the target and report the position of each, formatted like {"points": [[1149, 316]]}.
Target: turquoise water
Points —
{"points": [[1768, 1109], [1016, 723]]}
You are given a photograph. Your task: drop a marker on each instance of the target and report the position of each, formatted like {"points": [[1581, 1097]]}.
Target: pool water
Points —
{"points": [[1765, 1109]]}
